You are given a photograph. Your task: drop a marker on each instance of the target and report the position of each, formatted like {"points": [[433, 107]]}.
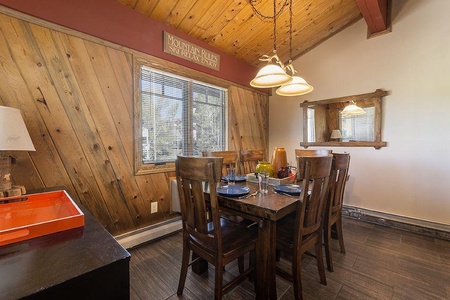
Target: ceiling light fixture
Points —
{"points": [[298, 86], [275, 73]]}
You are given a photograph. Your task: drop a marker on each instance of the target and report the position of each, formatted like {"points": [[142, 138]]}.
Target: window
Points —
{"points": [[179, 116], [359, 127]]}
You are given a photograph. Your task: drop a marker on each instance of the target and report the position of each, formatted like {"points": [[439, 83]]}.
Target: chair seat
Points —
{"points": [[234, 236]]}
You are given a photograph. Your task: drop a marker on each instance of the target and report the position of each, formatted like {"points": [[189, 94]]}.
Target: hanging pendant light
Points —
{"points": [[298, 86], [273, 74], [353, 110]]}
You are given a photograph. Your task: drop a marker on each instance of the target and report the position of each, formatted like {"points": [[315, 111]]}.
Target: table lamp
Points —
{"points": [[14, 136], [336, 135]]}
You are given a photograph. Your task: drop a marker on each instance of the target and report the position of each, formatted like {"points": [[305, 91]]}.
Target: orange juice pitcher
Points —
{"points": [[279, 159]]}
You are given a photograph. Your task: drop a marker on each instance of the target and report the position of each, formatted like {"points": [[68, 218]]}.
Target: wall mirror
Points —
{"points": [[324, 117]]}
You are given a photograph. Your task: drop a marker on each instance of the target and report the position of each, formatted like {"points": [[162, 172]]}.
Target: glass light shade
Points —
{"points": [[353, 110], [269, 76], [336, 134], [13, 132], [298, 86]]}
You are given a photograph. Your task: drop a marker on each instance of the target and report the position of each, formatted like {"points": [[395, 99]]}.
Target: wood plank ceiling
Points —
{"points": [[233, 27]]}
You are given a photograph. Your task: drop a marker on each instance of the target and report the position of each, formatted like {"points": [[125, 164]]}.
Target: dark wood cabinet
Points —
{"points": [[80, 263]]}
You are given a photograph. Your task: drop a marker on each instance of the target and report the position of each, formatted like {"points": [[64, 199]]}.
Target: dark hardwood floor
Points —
{"points": [[380, 263]]}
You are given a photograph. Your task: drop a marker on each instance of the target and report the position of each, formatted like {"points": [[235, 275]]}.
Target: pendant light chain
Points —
{"points": [[274, 26], [274, 17], [290, 31], [264, 17]]}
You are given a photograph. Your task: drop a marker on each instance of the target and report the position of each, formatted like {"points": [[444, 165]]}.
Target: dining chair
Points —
{"points": [[333, 211], [219, 242], [299, 232], [230, 157], [250, 158]]}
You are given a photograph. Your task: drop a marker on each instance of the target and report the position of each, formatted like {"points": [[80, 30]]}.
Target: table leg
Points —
{"points": [[266, 260]]}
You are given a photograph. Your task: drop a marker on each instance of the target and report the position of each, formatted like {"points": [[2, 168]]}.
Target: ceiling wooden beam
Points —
{"points": [[375, 12]]}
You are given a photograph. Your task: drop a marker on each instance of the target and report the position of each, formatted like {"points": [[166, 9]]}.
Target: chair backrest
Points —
{"points": [[313, 195], [193, 174], [338, 180], [312, 152], [309, 152], [229, 158], [250, 158]]}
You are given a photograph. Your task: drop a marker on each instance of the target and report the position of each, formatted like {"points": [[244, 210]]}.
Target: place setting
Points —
{"points": [[236, 191], [288, 189]]}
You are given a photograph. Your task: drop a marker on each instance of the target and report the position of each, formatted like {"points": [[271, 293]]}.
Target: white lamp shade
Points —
{"points": [[353, 110], [13, 132], [298, 86], [336, 134], [269, 76]]}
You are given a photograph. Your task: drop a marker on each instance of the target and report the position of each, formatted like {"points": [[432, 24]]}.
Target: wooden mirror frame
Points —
{"points": [[329, 119]]}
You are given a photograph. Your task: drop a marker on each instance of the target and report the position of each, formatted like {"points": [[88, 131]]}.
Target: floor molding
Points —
{"points": [[137, 237], [428, 228], [436, 230]]}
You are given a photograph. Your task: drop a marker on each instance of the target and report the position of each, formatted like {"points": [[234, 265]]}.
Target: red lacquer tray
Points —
{"points": [[29, 216]]}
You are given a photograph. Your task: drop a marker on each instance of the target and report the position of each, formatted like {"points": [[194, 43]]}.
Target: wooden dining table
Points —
{"points": [[265, 210]]}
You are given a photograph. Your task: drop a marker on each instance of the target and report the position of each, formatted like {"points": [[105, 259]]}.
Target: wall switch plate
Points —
{"points": [[154, 207]]}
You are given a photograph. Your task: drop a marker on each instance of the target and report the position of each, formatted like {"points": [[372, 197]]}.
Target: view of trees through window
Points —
{"points": [[180, 116]]}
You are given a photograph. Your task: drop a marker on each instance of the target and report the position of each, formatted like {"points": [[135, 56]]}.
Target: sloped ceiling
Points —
{"points": [[233, 26]]}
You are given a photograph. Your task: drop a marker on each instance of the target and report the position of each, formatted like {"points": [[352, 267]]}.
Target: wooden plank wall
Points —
{"points": [[76, 96]]}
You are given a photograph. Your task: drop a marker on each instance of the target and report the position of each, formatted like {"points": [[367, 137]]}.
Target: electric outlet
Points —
{"points": [[154, 207]]}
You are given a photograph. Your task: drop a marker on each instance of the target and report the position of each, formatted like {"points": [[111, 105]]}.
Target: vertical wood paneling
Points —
{"points": [[248, 118], [18, 88], [100, 93], [77, 100]]}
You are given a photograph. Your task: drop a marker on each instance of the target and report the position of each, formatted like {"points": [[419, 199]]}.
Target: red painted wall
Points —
{"points": [[114, 22]]}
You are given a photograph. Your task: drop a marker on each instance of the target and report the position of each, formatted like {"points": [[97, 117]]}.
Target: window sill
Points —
{"points": [[376, 145]]}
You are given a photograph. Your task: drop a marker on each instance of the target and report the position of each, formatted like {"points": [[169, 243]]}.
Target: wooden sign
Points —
{"points": [[181, 48]]}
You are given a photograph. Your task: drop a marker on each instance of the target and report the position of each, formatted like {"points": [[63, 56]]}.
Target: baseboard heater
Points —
{"points": [[134, 238], [436, 230]]}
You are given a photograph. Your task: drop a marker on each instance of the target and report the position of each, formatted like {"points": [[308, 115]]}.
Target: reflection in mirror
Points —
{"points": [[320, 118], [311, 126], [358, 127]]}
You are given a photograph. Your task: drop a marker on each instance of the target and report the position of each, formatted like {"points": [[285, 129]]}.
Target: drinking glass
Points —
{"points": [[231, 175], [263, 180]]}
